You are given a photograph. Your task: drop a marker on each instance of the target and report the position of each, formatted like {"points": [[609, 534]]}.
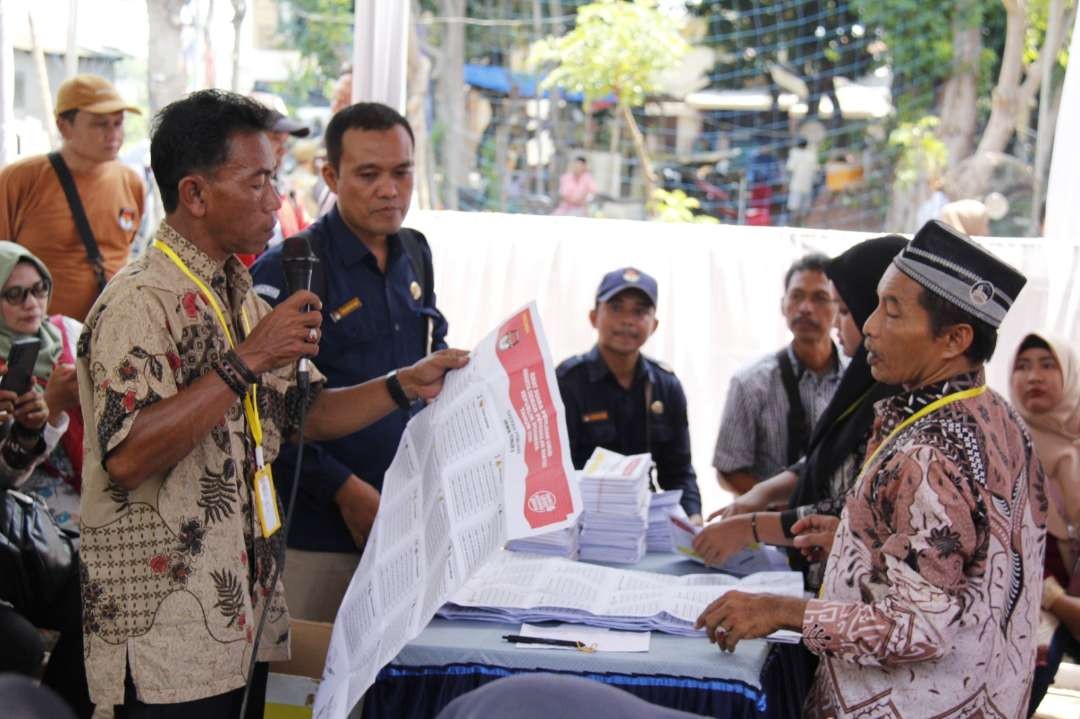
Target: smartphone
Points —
{"points": [[20, 365]]}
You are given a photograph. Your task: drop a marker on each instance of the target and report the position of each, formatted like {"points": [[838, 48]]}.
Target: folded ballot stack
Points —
{"points": [[615, 496], [663, 505], [560, 543]]}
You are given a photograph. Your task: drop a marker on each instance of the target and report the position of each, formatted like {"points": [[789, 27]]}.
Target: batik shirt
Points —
{"points": [[931, 595], [175, 573]]}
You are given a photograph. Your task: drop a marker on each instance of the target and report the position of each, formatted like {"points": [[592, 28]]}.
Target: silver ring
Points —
{"points": [[313, 335]]}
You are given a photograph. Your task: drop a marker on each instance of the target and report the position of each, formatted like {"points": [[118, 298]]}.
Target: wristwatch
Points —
{"points": [[393, 386]]}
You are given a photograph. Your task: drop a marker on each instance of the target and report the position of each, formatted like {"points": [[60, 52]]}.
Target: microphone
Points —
{"points": [[298, 261]]}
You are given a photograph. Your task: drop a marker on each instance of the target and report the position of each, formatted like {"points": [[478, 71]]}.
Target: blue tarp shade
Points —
{"points": [[497, 78]]}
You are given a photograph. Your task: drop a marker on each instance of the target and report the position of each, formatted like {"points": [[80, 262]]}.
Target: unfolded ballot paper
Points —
{"points": [[515, 588], [486, 462]]}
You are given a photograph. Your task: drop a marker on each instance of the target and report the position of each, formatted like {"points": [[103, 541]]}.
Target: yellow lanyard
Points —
{"points": [[251, 406], [928, 409]]}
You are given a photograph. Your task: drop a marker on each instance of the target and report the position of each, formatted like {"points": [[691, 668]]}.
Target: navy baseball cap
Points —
{"points": [[627, 278]]}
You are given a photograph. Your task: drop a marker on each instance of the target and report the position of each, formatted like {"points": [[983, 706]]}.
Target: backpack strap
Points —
{"points": [[67, 182], [797, 426]]}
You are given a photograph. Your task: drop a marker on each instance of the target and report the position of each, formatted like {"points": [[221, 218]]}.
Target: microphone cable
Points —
{"points": [[303, 384]]}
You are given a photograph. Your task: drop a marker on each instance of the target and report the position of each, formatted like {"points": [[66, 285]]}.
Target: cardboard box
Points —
{"points": [[291, 687]]}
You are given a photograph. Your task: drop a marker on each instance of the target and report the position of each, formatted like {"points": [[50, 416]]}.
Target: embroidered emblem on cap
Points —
{"points": [[981, 292], [631, 276]]}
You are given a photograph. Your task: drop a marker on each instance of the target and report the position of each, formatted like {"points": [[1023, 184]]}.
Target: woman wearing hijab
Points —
{"points": [[1045, 389], [56, 462], [818, 484], [41, 453]]}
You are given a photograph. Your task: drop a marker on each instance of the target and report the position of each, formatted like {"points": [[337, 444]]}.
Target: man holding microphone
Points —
{"points": [[188, 387]]}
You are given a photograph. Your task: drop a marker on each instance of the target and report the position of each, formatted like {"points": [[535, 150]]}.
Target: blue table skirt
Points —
{"points": [[422, 691]]}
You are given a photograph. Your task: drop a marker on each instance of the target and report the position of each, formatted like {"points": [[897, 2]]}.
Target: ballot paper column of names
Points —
{"points": [[454, 492]]}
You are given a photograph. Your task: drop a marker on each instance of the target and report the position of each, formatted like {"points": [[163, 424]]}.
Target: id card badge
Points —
{"points": [[266, 498]]}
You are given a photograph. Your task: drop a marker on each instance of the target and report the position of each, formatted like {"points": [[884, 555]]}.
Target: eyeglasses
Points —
{"points": [[17, 295]]}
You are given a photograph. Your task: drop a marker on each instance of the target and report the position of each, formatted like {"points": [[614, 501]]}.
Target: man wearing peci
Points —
{"points": [[377, 283], [188, 386], [930, 601]]}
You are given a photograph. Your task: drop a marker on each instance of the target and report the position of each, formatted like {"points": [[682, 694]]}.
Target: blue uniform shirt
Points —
{"points": [[372, 323], [648, 417]]}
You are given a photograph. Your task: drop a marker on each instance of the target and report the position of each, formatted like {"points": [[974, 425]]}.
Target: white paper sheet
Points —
{"points": [[599, 639], [515, 588], [486, 462]]}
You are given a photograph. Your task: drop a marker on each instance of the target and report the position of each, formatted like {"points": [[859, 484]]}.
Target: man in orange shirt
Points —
{"points": [[35, 212]]}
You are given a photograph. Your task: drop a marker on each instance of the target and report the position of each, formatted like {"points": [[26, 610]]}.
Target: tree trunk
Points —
{"points": [[239, 12], [452, 92], [42, 72], [647, 175], [419, 76], [960, 95], [1049, 103], [166, 74]]}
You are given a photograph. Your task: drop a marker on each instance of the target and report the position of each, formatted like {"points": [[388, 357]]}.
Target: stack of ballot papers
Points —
{"points": [[663, 505], [615, 496], [561, 543], [517, 588]]}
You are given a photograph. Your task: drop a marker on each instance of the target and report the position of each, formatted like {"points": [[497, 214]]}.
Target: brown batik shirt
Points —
{"points": [[931, 595], [175, 573]]}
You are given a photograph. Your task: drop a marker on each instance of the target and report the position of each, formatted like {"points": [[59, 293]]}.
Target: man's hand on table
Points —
{"points": [[739, 615]]}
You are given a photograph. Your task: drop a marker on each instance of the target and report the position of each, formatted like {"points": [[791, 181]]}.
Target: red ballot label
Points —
{"points": [[547, 488]]}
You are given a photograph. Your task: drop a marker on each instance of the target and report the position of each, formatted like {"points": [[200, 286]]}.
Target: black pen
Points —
{"points": [[518, 639]]}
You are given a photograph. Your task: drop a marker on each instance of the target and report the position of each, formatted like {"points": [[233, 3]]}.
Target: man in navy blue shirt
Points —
{"points": [[619, 399], [379, 313]]}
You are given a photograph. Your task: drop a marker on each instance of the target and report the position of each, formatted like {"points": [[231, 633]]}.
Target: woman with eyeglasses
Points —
{"points": [[48, 423], [41, 454]]}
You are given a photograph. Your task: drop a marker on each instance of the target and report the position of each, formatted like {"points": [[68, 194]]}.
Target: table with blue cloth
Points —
{"points": [[450, 658]]}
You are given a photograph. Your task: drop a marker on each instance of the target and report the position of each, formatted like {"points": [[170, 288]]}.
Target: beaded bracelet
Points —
{"points": [[241, 367], [231, 377]]}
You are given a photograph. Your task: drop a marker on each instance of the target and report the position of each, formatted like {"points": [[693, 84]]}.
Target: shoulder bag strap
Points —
{"points": [[93, 255], [796, 419]]}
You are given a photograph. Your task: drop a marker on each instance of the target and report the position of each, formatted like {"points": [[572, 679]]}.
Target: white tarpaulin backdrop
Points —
{"points": [[720, 289]]}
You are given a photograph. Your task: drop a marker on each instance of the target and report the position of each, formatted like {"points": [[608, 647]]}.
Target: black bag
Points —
{"points": [[38, 558]]}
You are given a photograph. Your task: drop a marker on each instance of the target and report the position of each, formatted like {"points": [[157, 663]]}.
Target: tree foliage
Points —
{"points": [[617, 48]]}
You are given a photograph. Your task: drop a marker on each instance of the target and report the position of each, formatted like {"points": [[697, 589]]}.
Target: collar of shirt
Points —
{"points": [[598, 369], [351, 250], [223, 277], [835, 364], [896, 409]]}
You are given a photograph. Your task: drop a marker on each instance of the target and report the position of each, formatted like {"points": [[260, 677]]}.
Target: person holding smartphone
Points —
{"points": [[41, 454], [42, 447]]}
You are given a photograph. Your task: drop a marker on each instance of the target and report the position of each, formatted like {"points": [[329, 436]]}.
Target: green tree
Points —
{"points": [[617, 49]]}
